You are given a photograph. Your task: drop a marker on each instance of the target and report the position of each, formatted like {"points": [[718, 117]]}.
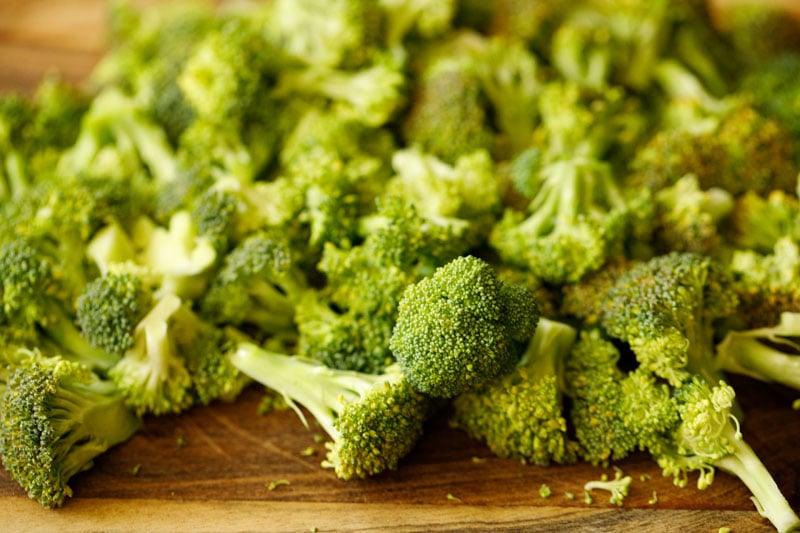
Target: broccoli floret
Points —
{"points": [[708, 437], [519, 414], [35, 305], [110, 307], [578, 216], [771, 85], [406, 20], [459, 328], [585, 299], [666, 309], [448, 114], [152, 375], [57, 417], [770, 354], [374, 420], [758, 222], [619, 487], [259, 284], [689, 219], [746, 24]]}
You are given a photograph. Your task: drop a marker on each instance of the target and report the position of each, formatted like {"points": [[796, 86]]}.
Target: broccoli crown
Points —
{"points": [[57, 416], [520, 414], [454, 329], [109, 308], [373, 419], [665, 309]]}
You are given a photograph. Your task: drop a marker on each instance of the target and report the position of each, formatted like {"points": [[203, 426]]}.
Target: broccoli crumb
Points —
{"points": [[569, 495], [136, 469], [272, 485], [453, 498], [181, 442], [653, 499], [308, 452], [545, 491]]}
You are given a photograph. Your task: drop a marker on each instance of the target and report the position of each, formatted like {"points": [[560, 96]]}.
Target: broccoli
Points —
{"points": [[57, 417], [519, 414], [770, 354], [110, 307], [424, 19], [708, 437], [759, 222], [666, 310], [746, 24], [461, 327], [374, 420], [37, 309], [259, 284], [617, 487], [152, 374], [578, 215], [771, 86]]}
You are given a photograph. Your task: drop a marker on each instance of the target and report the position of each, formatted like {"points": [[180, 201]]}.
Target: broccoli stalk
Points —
{"points": [[374, 420], [770, 354], [520, 414], [57, 417]]}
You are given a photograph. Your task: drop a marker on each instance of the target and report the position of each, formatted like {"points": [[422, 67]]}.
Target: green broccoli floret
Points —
{"points": [[619, 487], [666, 309], [578, 215], [585, 299], [374, 420], [152, 375], [405, 21], [771, 85], [36, 308], [724, 141], [689, 219], [448, 114], [593, 382], [460, 327], [57, 417], [116, 128], [708, 437], [759, 222], [109, 309], [770, 354], [259, 283], [519, 414]]}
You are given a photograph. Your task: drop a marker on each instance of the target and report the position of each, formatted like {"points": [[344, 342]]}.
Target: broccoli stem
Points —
{"points": [[67, 337], [323, 391], [544, 355], [745, 464], [744, 354]]}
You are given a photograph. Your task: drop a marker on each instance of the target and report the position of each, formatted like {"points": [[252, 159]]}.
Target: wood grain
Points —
{"points": [[218, 480]]}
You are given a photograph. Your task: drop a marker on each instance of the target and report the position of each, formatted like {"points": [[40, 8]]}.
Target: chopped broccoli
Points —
{"points": [[519, 414], [57, 417], [374, 420], [460, 327], [617, 487]]}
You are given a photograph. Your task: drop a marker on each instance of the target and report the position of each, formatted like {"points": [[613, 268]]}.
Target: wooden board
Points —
{"points": [[218, 480]]}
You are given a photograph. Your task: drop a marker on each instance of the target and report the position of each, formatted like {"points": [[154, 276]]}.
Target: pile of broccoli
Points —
{"points": [[562, 225]]}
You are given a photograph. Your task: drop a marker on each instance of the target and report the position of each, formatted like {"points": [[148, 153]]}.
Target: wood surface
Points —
{"points": [[210, 469]]}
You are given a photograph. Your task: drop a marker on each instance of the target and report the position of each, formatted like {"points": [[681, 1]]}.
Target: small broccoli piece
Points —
{"points": [[666, 310], [708, 437], [771, 85], [767, 284], [217, 213], [724, 141], [116, 127], [374, 420], [770, 354], [34, 300], [372, 95], [57, 417], [593, 382], [259, 284], [617, 487], [519, 414], [689, 219], [448, 114], [421, 19], [578, 216], [745, 25], [152, 375], [465, 195], [758, 222], [459, 328], [110, 307]]}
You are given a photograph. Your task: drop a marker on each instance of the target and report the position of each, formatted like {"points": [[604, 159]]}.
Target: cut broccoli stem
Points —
{"points": [[77, 348], [745, 464]]}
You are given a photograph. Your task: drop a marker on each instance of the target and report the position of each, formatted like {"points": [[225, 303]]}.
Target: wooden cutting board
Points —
{"points": [[211, 469]]}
